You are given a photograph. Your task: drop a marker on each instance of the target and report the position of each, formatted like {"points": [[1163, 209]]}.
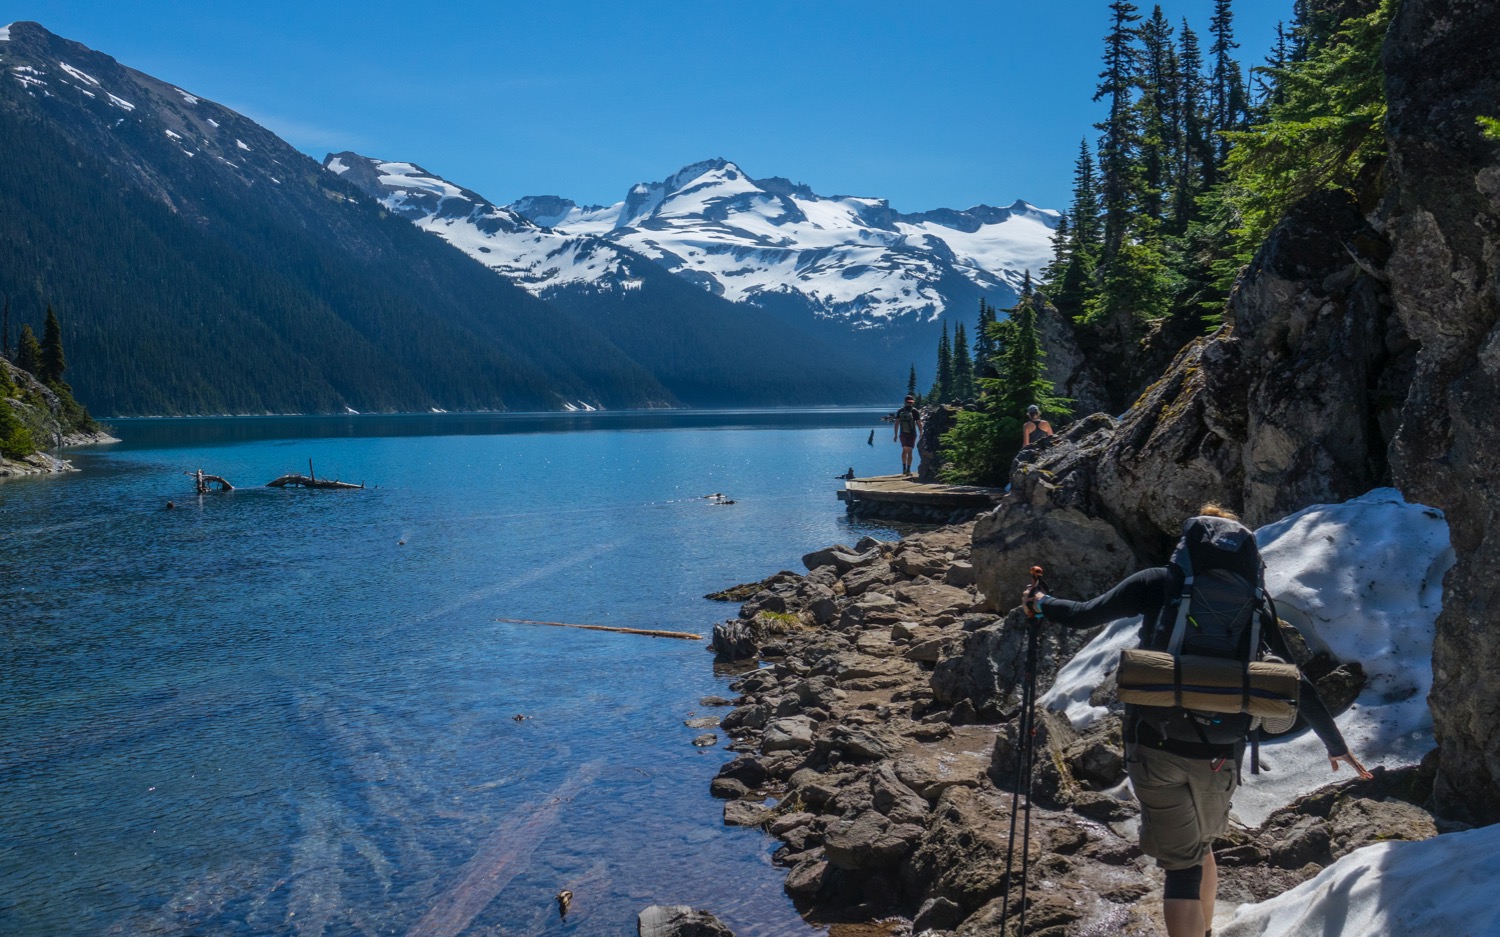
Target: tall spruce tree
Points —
{"points": [[984, 344], [942, 385], [54, 363], [1119, 137], [1073, 284], [1160, 86], [911, 382], [29, 352], [963, 365], [1195, 155], [1228, 102]]}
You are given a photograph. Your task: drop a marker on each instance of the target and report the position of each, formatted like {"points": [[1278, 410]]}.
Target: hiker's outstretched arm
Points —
{"points": [[1134, 595], [1313, 709], [1310, 704]]}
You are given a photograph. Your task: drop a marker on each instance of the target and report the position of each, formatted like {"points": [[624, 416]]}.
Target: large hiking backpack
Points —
{"points": [[908, 420], [1201, 675]]}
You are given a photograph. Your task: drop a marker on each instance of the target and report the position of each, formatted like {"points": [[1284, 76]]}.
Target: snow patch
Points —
{"points": [[1368, 575], [5, 32], [241, 144], [1443, 885], [213, 123], [173, 135], [77, 73], [191, 99], [120, 102], [337, 166]]}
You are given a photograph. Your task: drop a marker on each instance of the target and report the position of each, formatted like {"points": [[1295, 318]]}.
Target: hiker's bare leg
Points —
{"points": [[1184, 917], [1208, 891]]}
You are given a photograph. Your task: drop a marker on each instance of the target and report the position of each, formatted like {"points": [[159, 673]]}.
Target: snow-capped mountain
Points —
{"points": [[765, 242], [530, 254]]}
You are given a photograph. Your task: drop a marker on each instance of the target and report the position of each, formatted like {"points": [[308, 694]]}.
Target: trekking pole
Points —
{"points": [[1025, 762], [1033, 639]]}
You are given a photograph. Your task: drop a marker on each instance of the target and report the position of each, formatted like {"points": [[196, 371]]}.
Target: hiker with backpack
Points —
{"points": [[1211, 655], [908, 424]]}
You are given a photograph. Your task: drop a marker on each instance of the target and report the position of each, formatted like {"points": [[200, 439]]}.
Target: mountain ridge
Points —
{"points": [[200, 264]]}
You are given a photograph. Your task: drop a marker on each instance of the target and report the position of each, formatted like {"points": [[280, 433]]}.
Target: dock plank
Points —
{"points": [[907, 489]]}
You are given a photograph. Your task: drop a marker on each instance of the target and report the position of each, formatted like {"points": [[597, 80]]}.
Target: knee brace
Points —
{"points": [[1183, 883]]}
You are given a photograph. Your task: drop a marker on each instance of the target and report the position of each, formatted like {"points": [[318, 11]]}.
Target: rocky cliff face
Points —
{"points": [[1442, 216], [1360, 348]]}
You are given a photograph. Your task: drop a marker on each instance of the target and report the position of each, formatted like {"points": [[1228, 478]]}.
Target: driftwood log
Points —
{"points": [[307, 481], [647, 632], [201, 481]]}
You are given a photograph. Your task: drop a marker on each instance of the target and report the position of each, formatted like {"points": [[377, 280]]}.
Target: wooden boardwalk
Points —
{"points": [[907, 490]]}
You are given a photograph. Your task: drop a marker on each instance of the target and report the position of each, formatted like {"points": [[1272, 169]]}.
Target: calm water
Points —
{"points": [[261, 713]]}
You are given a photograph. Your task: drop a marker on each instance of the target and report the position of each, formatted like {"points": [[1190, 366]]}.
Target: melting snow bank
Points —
{"points": [[1368, 576], [1441, 886]]}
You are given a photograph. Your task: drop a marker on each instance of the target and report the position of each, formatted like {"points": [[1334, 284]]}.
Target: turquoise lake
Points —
{"points": [[294, 712]]}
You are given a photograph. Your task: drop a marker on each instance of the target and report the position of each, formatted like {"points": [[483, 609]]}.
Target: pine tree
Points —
{"points": [[980, 447], [29, 352], [1195, 156], [1119, 134], [1072, 285], [984, 344], [1329, 126], [963, 366], [911, 382], [15, 438], [1268, 90], [53, 361], [1228, 105], [942, 386], [1159, 105]]}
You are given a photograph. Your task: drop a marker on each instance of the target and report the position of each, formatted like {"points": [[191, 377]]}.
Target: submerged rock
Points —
{"points": [[679, 921]]}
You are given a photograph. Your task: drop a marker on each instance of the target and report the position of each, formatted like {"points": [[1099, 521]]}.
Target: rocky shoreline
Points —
{"points": [[874, 737], [46, 463]]}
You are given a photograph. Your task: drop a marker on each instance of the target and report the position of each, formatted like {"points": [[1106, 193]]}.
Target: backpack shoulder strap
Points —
{"points": [[1184, 561]]}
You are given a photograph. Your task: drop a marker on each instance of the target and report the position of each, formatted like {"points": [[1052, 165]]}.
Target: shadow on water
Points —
{"points": [[188, 432]]}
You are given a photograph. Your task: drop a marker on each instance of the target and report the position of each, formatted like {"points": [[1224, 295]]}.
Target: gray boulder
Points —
{"points": [[869, 841], [679, 921], [791, 733], [1364, 822]]}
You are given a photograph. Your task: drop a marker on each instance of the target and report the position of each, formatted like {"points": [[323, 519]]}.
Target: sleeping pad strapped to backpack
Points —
{"points": [[1199, 675]]}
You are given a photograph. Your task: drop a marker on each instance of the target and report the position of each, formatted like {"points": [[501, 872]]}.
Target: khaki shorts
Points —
{"points": [[1184, 804]]}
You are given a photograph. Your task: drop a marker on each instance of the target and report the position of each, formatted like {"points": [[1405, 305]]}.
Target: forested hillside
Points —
{"points": [[200, 264], [1196, 159]]}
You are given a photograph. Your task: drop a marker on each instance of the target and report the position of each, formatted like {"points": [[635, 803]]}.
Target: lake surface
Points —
{"points": [[294, 712]]}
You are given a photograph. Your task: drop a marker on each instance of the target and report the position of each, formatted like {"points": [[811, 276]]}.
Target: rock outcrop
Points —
{"points": [[880, 748], [1359, 349], [41, 411], [1442, 218]]}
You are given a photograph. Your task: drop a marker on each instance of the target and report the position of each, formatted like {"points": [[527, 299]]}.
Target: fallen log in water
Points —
{"points": [[202, 481], [683, 635], [307, 481], [500, 858]]}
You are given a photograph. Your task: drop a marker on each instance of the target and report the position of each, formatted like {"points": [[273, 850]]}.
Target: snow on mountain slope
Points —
{"points": [[530, 254], [854, 258], [744, 239]]}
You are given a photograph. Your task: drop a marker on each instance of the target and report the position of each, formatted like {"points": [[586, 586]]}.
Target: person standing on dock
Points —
{"points": [[908, 425]]}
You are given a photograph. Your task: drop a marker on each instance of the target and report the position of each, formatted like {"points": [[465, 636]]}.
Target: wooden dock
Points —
{"points": [[898, 496]]}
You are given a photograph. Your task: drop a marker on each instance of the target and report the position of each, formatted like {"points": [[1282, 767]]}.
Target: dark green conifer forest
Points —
{"points": [[1195, 162]]}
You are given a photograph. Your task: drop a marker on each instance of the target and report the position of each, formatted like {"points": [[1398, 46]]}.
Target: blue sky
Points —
{"points": [[946, 103]]}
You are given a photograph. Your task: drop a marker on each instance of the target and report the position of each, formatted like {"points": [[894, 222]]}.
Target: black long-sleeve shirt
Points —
{"points": [[1145, 593]]}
